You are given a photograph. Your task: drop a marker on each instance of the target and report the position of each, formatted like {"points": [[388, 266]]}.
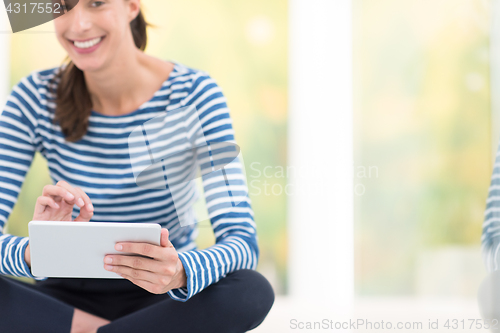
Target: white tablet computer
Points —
{"points": [[77, 249]]}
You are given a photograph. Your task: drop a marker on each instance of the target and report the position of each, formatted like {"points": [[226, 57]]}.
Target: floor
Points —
{"points": [[383, 314]]}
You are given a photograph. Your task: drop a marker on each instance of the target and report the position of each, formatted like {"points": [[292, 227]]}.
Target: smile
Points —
{"points": [[87, 44]]}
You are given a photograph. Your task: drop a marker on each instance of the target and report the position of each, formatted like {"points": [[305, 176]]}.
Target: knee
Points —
{"points": [[253, 297]]}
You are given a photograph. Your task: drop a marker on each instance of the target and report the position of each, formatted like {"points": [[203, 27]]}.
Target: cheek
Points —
{"points": [[113, 25], [64, 43], [59, 30]]}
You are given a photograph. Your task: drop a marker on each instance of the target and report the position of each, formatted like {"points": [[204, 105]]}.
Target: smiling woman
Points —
{"points": [[79, 116], [90, 36]]}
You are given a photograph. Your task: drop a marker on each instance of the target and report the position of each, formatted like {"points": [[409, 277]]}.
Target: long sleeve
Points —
{"points": [[226, 196], [18, 121]]}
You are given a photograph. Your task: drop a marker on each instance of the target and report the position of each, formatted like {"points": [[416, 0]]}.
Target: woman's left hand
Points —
{"points": [[158, 274]]}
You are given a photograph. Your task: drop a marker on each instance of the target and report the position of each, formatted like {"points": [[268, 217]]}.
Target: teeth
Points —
{"points": [[87, 44]]}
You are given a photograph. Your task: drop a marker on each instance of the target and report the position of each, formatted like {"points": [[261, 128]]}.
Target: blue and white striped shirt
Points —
{"points": [[490, 239], [100, 165]]}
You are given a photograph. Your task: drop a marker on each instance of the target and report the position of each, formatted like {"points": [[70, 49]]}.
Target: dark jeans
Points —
{"points": [[237, 303]]}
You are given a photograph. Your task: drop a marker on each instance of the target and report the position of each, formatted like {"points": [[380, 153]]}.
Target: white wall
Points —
{"points": [[320, 206]]}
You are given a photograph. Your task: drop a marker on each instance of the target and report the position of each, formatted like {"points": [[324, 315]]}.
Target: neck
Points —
{"points": [[113, 89]]}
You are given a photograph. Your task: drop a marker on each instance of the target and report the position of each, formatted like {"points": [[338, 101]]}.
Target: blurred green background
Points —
{"points": [[423, 121], [243, 46]]}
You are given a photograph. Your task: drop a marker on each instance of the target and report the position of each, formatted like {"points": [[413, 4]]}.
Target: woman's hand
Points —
{"points": [[158, 274], [57, 202]]}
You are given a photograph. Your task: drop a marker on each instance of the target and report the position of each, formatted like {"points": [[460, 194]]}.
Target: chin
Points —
{"points": [[87, 66]]}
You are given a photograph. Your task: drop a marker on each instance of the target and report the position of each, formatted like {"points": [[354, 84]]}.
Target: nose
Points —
{"points": [[81, 20]]}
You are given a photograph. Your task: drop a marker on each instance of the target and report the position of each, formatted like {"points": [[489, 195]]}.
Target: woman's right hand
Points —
{"points": [[57, 202]]}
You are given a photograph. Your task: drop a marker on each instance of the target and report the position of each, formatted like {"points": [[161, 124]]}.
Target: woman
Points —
{"points": [[79, 117]]}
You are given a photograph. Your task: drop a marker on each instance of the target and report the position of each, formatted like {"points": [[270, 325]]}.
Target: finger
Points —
{"points": [[145, 249], [43, 202], [86, 200], [136, 262], [137, 274], [84, 215], [164, 241], [87, 210], [78, 200], [151, 287], [58, 193]]}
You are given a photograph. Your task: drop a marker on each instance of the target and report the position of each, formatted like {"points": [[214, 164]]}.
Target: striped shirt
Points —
{"points": [[490, 238], [100, 164]]}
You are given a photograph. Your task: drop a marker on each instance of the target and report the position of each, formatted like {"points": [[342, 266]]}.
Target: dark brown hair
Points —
{"points": [[73, 102]]}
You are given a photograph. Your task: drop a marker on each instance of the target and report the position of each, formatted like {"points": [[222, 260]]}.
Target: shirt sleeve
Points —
{"points": [[18, 121], [226, 196], [490, 238]]}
